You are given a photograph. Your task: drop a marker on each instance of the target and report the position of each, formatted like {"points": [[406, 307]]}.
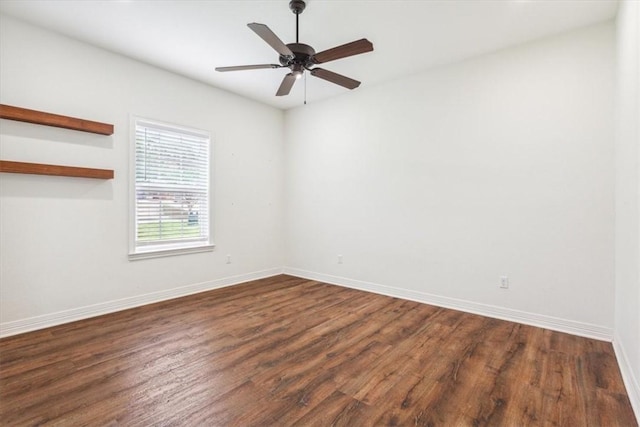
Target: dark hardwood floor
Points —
{"points": [[286, 351]]}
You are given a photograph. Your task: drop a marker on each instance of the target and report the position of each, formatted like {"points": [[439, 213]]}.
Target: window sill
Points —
{"points": [[159, 253]]}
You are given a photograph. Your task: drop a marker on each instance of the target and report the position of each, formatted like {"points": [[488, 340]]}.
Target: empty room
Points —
{"points": [[319, 213]]}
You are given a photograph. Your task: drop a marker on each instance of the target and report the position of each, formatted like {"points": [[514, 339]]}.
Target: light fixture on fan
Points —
{"points": [[297, 70]]}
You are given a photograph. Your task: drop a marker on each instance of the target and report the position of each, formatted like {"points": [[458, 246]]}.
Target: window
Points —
{"points": [[171, 190]]}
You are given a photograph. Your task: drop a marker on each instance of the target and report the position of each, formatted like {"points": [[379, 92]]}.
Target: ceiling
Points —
{"points": [[193, 37]]}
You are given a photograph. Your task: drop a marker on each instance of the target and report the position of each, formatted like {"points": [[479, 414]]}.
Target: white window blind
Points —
{"points": [[171, 188]]}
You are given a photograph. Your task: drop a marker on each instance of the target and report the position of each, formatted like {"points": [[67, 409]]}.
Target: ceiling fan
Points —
{"points": [[299, 56]]}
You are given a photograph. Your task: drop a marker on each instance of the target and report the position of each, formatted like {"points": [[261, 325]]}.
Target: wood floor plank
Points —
{"points": [[337, 410], [289, 351]]}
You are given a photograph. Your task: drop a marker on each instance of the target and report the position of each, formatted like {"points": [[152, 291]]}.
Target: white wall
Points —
{"points": [[64, 241], [627, 244], [434, 186]]}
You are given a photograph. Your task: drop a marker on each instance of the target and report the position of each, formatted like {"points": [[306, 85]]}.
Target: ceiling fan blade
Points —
{"points": [[248, 67], [336, 78], [286, 85], [269, 36], [354, 48]]}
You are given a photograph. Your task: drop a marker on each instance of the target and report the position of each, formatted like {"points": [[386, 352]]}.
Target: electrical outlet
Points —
{"points": [[228, 259], [504, 282], [339, 259]]}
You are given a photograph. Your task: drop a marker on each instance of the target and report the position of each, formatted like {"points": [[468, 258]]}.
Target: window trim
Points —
{"points": [[179, 248]]}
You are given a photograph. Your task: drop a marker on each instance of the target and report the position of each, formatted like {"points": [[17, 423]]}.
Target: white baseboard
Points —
{"points": [[548, 322], [630, 381], [66, 316]]}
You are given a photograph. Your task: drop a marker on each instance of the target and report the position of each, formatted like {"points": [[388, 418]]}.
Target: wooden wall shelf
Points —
{"points": [[41, 118], [42, 169]]}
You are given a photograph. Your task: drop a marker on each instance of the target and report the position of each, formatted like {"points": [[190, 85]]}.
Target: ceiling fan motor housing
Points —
{"points": [[302, 55]]}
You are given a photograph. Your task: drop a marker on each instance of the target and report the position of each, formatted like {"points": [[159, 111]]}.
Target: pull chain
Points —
{"points": [[305, 88]]}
